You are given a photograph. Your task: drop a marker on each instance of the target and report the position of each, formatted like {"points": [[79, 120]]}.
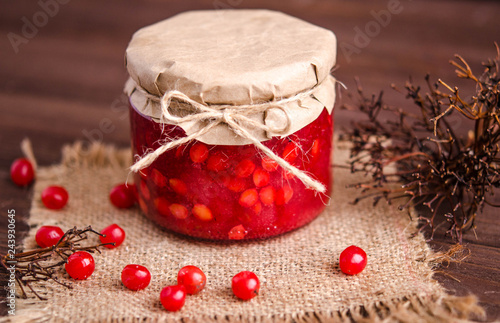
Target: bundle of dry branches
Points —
{"points": [[420, 157], [42, 264]]}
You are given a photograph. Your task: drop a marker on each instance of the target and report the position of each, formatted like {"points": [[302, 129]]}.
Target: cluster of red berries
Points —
{"points": [[56, 197], [255, 184], [190, 280], [22, 173], [80, 265]]}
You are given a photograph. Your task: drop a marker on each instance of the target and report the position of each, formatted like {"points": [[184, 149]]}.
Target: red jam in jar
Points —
{"points": [[232, 127], [231, 192]]}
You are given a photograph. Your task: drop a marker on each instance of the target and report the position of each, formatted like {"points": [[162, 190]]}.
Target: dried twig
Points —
{"points": [[41, 264]]}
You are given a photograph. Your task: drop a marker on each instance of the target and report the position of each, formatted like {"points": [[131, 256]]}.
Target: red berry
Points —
{"points": [[315, 149], [113, 233], [162, 206], [179, 211], [245, 285], [260, 177], [237, 233], [192, 278], [245, 168], [178, 186], [21, 172], [291, 152], [283, 195], [173, 297], [136, 277], [217, 162], [249, 197], [198, 153], [158, 178], [55, 197], [352, 260], [267, 195], [80, 265], [179, 151], [269, 164], [48, 235], [202, 212], [122, 196]]}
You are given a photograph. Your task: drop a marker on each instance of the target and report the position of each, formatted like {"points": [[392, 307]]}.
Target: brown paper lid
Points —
{"points": [[234, 57], [231, 56]]}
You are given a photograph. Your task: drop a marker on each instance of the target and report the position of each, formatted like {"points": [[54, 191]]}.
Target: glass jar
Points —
{"points": [[192, 83]]}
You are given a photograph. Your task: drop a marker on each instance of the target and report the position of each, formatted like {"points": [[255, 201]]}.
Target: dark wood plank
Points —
{"points": [[68, 78]]}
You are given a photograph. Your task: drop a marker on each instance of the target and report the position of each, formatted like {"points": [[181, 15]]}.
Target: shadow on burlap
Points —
{"points": [[299, 273]]}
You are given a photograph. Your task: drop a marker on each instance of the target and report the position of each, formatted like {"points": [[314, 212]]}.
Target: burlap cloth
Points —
{"points": [[299, 273]]}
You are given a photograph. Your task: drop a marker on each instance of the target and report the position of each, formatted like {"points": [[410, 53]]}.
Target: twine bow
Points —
{"points": [[236, 117]]}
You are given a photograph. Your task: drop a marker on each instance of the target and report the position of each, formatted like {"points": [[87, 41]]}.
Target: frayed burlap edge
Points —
{"points": [[444, 308], [441, 307]]}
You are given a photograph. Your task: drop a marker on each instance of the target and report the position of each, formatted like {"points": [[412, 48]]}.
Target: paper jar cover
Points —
{"points": [[233, 57]]}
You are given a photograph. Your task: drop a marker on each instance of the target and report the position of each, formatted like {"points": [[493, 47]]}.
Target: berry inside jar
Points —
{"points": [[222, 192]]}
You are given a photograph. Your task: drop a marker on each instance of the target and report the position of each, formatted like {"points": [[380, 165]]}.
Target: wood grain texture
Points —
{"points": [[65, 83]]}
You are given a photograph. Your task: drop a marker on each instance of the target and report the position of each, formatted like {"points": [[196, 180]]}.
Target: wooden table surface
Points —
{"points": [[62, 74]]}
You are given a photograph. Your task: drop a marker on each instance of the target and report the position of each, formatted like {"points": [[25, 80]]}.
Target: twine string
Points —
{"points": [[236, 117]]}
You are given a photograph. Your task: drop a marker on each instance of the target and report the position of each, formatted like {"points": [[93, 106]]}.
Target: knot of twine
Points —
{"points": [[236, 117]]}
